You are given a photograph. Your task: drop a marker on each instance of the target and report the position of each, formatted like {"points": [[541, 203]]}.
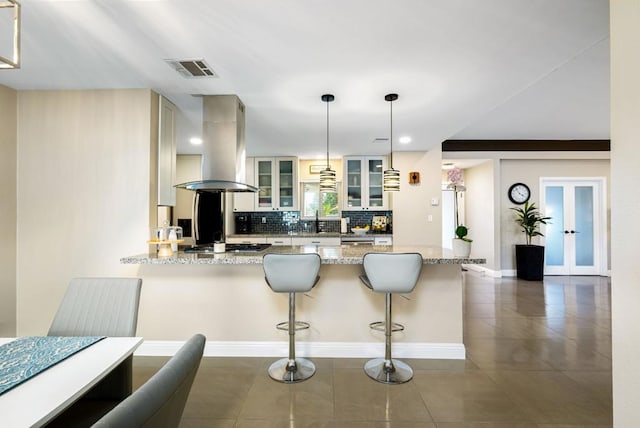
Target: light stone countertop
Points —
{"points": [[337, 255]]}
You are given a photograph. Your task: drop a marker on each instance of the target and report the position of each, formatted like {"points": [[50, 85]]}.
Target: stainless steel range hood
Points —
{"points": [[223, 142]]}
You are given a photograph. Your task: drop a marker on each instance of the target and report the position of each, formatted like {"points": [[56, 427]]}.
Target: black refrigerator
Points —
{"points": [[208, 221]]}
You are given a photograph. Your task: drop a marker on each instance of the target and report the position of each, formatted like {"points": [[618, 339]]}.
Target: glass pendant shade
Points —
{"points": [[328, 181], [391, 176], [391, 180]]}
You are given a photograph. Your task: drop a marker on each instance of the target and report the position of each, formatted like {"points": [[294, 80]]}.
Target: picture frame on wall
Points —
{"points": [[315, 169]]}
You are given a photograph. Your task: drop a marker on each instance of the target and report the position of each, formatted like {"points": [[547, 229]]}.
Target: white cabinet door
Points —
{"points": [[277, 182], [246, 240], [383, 240], [315, 241], [279, 240], [363, 183], [246, 201], [167, 153]]}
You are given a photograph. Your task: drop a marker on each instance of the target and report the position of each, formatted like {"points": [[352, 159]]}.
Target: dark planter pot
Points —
{"points": [[530, 262]]}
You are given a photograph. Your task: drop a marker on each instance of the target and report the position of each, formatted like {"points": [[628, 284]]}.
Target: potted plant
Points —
{"points": [[461, 244], [529, 257]]}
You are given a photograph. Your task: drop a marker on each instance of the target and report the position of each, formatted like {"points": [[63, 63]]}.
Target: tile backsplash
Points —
{"points": [[278, 222]]}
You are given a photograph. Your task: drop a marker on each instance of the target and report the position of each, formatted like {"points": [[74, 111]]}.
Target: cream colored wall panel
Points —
{"points": [[233, 303], [167, 152], [480, 211], [625, 202], [412, 204], [304, 173], [8, 207], [84, 186]]}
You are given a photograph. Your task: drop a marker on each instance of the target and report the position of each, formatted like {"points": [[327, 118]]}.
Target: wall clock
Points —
{"points": [[519, 193]]}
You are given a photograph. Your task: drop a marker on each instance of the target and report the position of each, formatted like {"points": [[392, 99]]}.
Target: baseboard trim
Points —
{"points": [[509, 272], [445, 351], [483, 271]]}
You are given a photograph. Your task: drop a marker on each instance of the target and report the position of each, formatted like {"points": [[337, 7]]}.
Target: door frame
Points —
{"points": [[601, 237]]}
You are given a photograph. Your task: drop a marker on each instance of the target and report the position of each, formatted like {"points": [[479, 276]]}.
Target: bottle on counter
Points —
{"points": [[173, 236]]}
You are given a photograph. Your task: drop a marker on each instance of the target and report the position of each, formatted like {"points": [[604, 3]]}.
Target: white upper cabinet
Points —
{"points": [[246, 201], [277, 181], [363, 183], [167, 153]]}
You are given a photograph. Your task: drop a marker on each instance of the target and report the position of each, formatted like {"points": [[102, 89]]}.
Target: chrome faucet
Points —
{"points": [[317, 223]]}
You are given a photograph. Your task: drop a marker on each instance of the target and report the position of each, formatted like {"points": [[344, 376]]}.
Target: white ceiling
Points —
{"points": [[513, 69]]}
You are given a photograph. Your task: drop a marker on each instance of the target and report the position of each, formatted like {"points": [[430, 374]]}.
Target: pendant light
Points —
{"points": [[327, 175], [391, 177]]}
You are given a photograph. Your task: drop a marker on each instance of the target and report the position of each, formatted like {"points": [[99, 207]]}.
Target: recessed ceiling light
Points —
{"points": [[196, 141], [404, 139], [448, 165]]}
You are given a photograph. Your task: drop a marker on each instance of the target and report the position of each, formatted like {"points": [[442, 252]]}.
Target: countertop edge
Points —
{"points": [[330, 255]]}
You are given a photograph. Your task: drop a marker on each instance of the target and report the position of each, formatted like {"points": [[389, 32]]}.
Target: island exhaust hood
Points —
{"points": [[223, 142]]}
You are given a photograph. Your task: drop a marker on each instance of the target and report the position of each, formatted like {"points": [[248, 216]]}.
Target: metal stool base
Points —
{"points": [[304, 370], [376, 370]]}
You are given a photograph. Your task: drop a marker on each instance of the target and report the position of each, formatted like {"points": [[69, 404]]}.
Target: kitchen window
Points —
{"points": [[325, 203]]}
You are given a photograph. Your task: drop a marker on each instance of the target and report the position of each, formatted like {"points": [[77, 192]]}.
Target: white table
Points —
{"points": [[38, 400]]}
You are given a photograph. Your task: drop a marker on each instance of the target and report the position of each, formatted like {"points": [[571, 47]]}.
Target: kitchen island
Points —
{"points": [[225, 297]]}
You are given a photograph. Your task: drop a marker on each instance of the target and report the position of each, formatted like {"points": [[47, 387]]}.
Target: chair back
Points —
{"points": [[287, 273], [392, 272], [98, 307], [160, 402]]}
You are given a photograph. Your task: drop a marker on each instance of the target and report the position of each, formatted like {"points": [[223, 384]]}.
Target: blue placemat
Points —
{"points": [[27, 356]]}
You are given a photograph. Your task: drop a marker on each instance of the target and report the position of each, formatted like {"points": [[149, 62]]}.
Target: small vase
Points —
{"points": [[461, 248]]}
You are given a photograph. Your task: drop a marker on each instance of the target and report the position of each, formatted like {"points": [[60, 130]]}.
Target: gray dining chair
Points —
{"points": [[98, 307], [160, 402], [102, 307]]}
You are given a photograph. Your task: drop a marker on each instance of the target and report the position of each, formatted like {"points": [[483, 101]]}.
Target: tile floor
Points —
{"points": [[538, 355]]}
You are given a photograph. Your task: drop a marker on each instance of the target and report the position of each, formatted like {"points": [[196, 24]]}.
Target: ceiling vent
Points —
{"points": [[192, 68]]}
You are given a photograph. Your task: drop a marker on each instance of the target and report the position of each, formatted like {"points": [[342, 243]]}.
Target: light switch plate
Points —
{"points": [[435, 202]]}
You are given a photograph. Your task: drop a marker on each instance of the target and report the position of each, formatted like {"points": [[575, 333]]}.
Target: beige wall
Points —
{"points": [[625, 199], [8, 146], [305, 175], [412, 204], [481, 205], [84, 173], [529, 172]]}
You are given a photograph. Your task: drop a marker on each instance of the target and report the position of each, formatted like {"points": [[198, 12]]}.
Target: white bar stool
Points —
{"points": [[291, 273], [390, 273]]}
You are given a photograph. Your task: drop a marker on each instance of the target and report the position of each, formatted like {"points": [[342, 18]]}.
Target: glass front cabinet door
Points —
{"points": [[363, 186], [276, 179]]}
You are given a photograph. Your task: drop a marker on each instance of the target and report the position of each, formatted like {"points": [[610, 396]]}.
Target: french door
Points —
{"points": [[575, 238]]}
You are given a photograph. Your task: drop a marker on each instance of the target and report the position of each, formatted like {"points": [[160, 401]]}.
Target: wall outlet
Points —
{"points": [[264, 220], [348, 219], [430, 218]]}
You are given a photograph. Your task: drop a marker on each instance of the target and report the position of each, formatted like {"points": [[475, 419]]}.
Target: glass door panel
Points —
{"points": [[265, 184], [285, 178], [354, 183], [554, 253], [375, 182], [584, 226]]}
